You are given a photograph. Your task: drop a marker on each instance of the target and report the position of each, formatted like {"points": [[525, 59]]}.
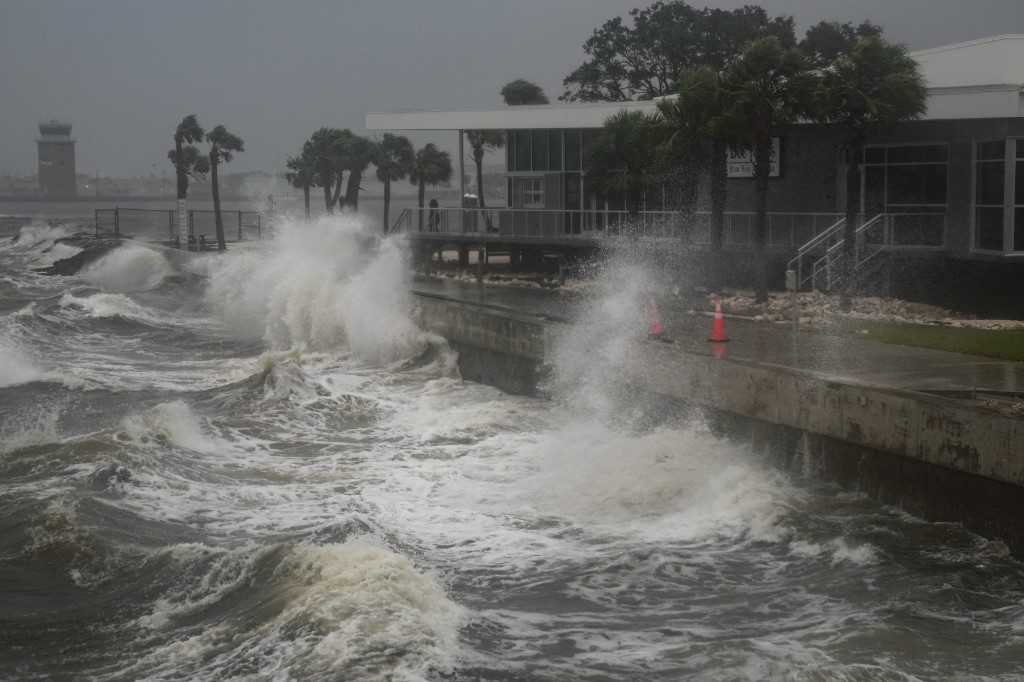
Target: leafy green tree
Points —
{"points": [[302, 172], [326, 148], [480, 141], [188, 161], [394, 160], [521, 91], [622, 160], [223, 146], [431, 166], [768, 86], [873, 85], [644, 60], [826, 41]]}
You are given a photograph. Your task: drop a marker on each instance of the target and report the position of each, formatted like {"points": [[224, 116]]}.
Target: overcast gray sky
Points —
{"points": [[125, 71]]}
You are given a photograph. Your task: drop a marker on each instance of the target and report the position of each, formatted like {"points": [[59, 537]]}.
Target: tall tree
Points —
{"points": [[826, 41], [356, 154], [394, 160], [480, 141], [522, 91], [327, 146], [223, 146], [431, 166], [645, 60], [302, 172], [768, 86], [873, 85], [188, 163], [640, 61], [622, 159]]}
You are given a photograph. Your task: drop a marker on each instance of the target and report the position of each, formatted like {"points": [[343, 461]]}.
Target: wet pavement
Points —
{"points": [[840, 355]]}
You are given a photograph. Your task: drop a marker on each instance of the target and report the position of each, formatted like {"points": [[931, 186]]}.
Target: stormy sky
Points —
{"points": [[125, 71]]}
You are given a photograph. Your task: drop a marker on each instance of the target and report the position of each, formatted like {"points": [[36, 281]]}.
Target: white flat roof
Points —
{"points": [[977, 79], [508, 118]]}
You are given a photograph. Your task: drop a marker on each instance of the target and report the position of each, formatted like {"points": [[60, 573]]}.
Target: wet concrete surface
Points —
{"points": [[843, 356]]}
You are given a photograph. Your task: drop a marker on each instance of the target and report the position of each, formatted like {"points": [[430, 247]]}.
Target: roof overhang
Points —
{"points": [[508, 118]]}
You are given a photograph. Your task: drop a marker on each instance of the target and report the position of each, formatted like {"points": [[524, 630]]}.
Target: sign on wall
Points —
{"points": [[740, 162]]}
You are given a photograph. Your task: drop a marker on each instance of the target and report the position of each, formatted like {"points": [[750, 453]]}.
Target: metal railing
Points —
{"points": [[785, 230], [883, 233], [161, 225]]}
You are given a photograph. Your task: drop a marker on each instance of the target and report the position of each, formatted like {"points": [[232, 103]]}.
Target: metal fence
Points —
{"points": [[785, 230], [162, 225]]}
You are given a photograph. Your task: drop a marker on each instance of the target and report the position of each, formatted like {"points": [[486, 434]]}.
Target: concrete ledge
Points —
{"points": [[870, 436]]}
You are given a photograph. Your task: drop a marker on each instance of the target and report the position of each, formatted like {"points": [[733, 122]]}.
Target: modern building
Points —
{"points": [[56, 159], [946, 190]]}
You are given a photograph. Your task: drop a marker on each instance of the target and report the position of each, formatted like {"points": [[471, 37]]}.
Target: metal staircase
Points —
{"points": [[820, 264]]}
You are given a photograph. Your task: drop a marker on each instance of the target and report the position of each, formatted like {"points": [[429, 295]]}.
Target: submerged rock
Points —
{"points": [[92, 248]]}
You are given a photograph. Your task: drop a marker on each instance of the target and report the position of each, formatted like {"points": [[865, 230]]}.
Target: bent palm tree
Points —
{"points": [[223, 145], [394, 160], [188, 163], [431, 166]]}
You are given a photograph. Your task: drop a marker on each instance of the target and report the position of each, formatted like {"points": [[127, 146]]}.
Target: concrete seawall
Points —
{"points": [[930, 455]]}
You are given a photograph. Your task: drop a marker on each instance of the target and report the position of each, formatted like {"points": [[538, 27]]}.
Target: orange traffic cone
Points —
{"points": [[654, 329], [718, 326]]}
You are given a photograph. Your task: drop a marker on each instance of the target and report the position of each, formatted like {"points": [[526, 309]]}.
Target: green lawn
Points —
{"points": [[1004, 345]]}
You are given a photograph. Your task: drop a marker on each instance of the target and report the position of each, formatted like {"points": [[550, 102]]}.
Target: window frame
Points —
{"points": [[1009, 207], [924, 208]]}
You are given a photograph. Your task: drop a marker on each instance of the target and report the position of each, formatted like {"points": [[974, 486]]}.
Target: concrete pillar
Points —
{"points": [[463, 256]]}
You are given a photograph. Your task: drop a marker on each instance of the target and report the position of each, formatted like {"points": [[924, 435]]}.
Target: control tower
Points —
{"points": [[56, 159]]}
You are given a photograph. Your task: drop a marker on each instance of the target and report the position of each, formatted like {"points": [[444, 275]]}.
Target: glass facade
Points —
{"points": [[543, 150], [998, 209], [912, 181]]}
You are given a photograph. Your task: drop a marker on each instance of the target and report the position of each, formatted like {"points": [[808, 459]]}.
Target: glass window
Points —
{"points": [[991, 150], [1018, 229], [921, 153], [1018, 184], [540, 150], [522, 140], [528, 193], [1020, 149], [988, 227], [874, 199], [874, 155], [989, 183], [572, 150], [555, 150], [925, 184], [587, 142]]}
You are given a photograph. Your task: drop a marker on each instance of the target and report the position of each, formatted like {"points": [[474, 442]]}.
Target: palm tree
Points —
{"points": [[768, 86], [430, 167], [394, 160], [700, 135], [188, 163], [871, 86], [623, 157], [521, 91], [480, 141], [223, 146], [326, 148], [302, 172], [357, 153]]}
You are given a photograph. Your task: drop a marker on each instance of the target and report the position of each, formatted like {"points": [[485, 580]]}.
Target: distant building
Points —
{"points": [[56, 159]]}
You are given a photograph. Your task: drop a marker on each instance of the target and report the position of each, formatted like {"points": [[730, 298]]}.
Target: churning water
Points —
{"points": [[255, 466]]}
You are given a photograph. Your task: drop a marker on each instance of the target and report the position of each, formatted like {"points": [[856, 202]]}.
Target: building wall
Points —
{"points": [[813, 172], [810, 180], [57, 168]]}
